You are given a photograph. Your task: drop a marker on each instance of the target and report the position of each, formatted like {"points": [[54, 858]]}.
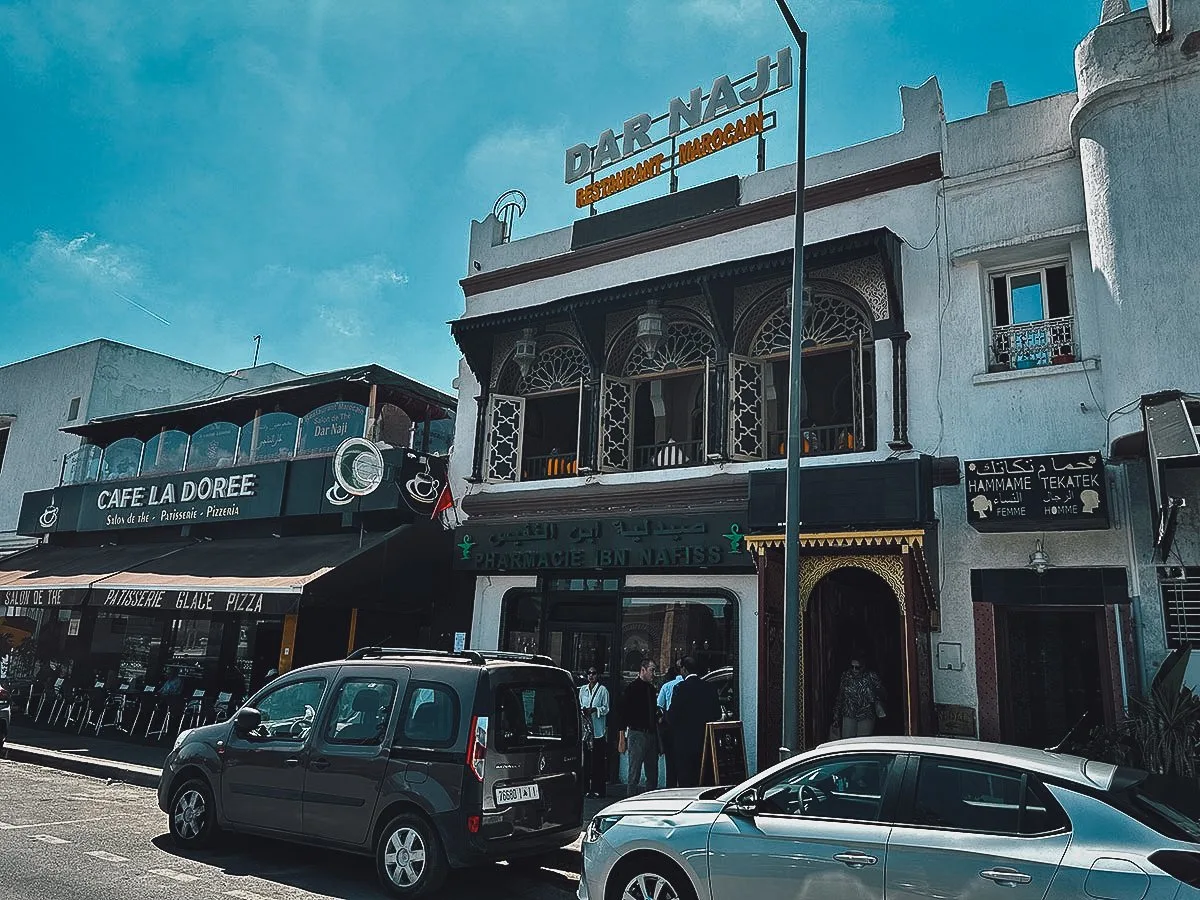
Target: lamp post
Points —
{"points": [[791, 548]]}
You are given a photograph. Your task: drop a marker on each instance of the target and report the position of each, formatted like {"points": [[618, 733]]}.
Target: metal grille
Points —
{"points": [[616, 424], [684, 346], [504, 438], [746, 421], [1181, 608], [1033, 344], [828, 319], [556, 368]]}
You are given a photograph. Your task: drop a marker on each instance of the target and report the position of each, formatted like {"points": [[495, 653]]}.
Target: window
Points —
{"points": [[288, 712], [535, 716], [4, 432], [361, 712], [970, 796], [1032, 323], [430, 716], [73, 410], [121, 459], [1181, 605], [845, 787], [164, 453]]}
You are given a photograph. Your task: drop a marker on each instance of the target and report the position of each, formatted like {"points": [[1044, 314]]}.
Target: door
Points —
{"points": [[1050, 673], [970, 829], [821, 831], [263, 777], [351, 754]]}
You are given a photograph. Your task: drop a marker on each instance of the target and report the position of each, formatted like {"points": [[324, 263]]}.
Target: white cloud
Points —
{"points": [[84, 257]]}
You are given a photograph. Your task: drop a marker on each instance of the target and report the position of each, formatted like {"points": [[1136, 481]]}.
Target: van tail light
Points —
{"points": [[473, 823], [1182, 865], [477, 748]]}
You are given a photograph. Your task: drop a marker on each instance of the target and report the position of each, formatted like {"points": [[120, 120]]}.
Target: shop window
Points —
{"points": [[430, 717], [165, 452], [324, 429], [213, 446], [270, 436], [1032, 322], [121, 459], [127, 645], [82, 466], [288, 712], [969, 796], [361, 713], [195, 648], [521, 622], [36, 639]]}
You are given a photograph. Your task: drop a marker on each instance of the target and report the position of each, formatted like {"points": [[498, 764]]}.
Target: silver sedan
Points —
{"points": [[903, 818]]}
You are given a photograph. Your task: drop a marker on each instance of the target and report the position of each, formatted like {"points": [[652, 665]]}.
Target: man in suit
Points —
{"points": [[694, 703]]}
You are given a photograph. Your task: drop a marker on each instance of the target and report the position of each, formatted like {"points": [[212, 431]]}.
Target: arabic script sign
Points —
{"points": [[1033, 493], [617, 542]]}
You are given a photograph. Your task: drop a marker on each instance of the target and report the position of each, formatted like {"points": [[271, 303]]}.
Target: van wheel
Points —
{"points": [[650, 880], [193, 816], [409, 857]]}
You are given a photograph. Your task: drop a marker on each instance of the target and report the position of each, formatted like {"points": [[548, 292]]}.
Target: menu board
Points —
{"points": [[724, 758]]}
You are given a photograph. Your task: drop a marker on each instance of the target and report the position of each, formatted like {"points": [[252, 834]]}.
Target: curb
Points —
{"points": [[142, 776]]}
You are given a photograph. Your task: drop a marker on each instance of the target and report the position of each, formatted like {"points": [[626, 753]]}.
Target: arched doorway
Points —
{"points": [[852, 613]]}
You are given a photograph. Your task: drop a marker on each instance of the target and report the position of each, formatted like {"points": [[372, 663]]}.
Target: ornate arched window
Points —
{"points": [[685, 345], [838, 404]]}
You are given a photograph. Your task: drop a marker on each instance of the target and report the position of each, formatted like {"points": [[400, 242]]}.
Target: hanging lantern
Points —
{"points": [[1038, 560], [650, 328], [525, 352]]}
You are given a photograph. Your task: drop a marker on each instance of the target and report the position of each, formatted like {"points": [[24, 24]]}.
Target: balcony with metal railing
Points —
{"points": [[553, 465], [822, 440], [1049, 342], [668, 455]]}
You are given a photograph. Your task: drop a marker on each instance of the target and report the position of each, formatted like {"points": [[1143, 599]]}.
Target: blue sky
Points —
{"points": [[307, 170]]}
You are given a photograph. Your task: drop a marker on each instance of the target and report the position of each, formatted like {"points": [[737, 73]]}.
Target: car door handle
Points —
{"points": [[292, 762], [855, 860], [1006, 877], [319, 764]]}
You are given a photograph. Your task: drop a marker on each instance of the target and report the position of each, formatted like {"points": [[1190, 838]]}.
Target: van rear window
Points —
{"points": [[532, 716]]}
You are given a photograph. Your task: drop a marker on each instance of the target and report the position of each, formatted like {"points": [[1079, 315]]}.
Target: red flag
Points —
{"points": [[445, 501]]}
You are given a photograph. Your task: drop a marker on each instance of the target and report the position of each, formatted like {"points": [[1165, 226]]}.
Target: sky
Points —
{"points": [[185, 176]]}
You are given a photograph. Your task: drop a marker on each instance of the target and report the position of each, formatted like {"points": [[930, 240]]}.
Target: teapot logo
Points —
{"points": [[357, 471], [49, 516]]}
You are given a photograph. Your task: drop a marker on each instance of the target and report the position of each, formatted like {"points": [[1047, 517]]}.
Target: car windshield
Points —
{"points": [[535, 715]]}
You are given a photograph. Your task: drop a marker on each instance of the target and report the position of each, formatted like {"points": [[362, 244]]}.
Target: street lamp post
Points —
{"points": [[791, 549]]}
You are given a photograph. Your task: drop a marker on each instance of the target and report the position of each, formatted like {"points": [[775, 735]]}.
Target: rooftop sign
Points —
{"points": [[698, 111]]}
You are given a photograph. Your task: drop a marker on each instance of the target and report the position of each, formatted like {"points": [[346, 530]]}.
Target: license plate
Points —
{"points": [[520, 793]]}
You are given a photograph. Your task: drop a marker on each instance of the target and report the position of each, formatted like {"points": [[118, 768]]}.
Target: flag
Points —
{"points": [[445, 501]]}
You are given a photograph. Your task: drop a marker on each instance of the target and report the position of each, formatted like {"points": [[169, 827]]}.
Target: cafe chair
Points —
{"points": [[113, 713], [223, 708], [146, 704], [94, 703], [193, 712], [168, 707], [63, 697], [77, 706], [48, 700], [33, 689]]}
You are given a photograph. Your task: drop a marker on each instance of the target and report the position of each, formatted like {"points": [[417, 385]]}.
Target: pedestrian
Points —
{"points": [[694, 703], [640, 710], [665, 741], [859, 701], [593, 707]]}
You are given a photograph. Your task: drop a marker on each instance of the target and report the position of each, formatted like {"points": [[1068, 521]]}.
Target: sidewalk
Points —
{"points": [[98, 757]]}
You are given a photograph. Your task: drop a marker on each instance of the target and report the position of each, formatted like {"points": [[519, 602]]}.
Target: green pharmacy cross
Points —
{"points": [[734, 536], [465, 546]]}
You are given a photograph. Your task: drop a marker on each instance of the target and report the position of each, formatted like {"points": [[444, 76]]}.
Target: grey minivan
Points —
{"points": [[427, 760]]}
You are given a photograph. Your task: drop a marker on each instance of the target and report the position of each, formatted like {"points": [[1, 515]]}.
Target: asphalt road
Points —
{"points": [[70, 837]]}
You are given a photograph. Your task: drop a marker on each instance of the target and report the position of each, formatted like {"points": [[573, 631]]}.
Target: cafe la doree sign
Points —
{"points": [[638, 134]]}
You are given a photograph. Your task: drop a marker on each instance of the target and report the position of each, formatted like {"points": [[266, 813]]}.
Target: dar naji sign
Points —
{"points": [[642, 133]]}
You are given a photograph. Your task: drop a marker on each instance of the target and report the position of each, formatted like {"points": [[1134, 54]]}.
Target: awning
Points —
{"points": [[242, 575], [62, 576]]}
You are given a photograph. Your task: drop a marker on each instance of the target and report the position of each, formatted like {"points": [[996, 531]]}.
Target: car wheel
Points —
{"points": [[649, 880], [409, 857], [193, 816]]}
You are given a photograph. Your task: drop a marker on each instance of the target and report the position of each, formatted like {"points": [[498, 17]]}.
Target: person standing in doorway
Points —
{"points": [[859, 701], [694, 703], [593, 707], [641, 727], [665, 743]]}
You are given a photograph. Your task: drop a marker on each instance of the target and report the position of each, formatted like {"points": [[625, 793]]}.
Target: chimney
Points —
{"points": [[997, 96], [1113, 9]]}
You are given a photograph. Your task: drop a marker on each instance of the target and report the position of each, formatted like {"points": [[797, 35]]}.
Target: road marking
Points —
{"points": [[6, 827], [106, 856], [49, 839], [173, 875], [245, 895]]}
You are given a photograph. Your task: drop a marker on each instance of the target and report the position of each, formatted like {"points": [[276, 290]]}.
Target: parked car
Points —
{"points": [[902, 818], [426, 760], [5, 713]]}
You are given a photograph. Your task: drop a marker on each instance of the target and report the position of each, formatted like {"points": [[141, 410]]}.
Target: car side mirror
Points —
{"points": [[746, 804], [246, 721]]}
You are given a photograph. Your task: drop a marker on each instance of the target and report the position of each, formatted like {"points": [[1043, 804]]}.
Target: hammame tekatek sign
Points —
{"points": [[1065, 491], [698, 111], [617, 542]]}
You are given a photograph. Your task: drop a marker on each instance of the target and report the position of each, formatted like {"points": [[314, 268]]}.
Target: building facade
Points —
{"points": [[988, 303], [40, 396]]}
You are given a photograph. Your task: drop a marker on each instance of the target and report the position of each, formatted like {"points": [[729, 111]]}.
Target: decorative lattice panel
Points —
{"points": [[504, 421], [555, 369], [828, 319], [747, 438], [616, 424], [685, 345]]}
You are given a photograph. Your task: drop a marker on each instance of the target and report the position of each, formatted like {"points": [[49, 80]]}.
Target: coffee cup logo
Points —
{"points": [[423, 487], [49, 517], [357, 471]]}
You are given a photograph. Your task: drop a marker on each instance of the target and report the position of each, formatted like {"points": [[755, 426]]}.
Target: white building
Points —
{"points": [[990, 299], [40, 396]]}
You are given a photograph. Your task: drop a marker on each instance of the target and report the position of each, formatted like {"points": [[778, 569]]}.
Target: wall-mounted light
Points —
{"points": [[525, 353], [1038, 560], [650, 328]]}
